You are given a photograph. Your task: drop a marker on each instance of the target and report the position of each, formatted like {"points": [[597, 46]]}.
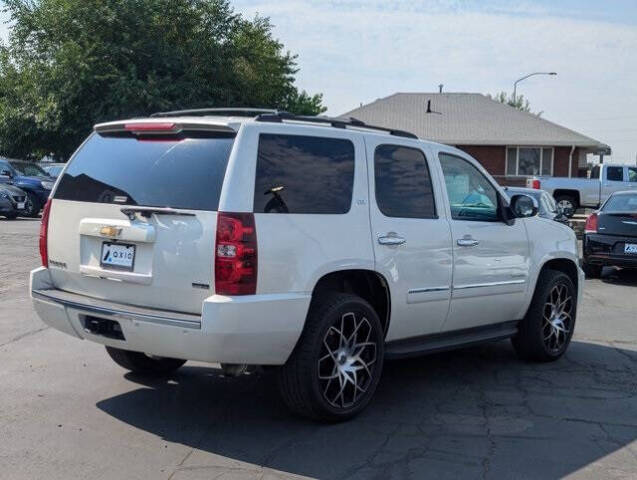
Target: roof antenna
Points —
{"points": [[429, 110], [440, 88]]}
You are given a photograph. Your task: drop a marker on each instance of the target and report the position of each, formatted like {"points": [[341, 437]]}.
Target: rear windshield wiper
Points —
{"points": [[147, 212]]}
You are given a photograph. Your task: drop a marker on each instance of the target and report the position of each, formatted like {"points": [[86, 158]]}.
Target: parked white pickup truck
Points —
{"points": [[573, 193]]}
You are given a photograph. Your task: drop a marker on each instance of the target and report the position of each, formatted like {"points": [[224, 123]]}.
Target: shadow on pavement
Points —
{"points": [[477, 412], [617, 276]]}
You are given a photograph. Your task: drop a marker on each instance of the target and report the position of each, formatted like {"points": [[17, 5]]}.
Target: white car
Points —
{"points": [[320, 246]]}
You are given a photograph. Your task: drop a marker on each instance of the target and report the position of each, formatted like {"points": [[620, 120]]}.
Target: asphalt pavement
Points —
{"points": [[67, 411]]}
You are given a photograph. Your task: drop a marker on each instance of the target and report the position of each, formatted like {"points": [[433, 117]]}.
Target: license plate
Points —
{"points": [[21, 206], [630, 248], [117, 255]]}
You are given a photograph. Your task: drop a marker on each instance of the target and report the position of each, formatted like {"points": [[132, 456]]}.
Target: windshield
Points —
{"points": [[625, 203], [28, 169], [549, 203], [179, 173]]}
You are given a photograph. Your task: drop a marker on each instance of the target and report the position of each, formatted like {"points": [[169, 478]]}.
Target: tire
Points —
{"points": [[11, 216], [568, 203], [592, 271], [539, 339], [32, 206], [311, 382], [138, 362]]}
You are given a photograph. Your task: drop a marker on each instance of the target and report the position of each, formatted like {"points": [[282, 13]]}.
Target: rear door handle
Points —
{"points": [[467, 242], [391, 239]]}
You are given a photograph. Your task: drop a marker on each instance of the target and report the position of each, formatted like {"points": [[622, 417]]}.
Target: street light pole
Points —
{"points": [[515, 84]]}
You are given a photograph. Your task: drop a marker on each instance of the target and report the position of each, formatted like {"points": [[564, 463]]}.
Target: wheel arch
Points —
{"points": [[565, 265], [571, 193], [370, 285]]}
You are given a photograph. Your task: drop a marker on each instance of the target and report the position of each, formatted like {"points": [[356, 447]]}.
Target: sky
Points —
{"points": [[355, 51]]}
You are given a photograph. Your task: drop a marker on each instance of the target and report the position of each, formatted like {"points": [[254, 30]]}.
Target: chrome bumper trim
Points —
{"points": [[117, 313]]}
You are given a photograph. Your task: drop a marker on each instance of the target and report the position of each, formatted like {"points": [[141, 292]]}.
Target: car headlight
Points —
{"points": [[4, 195], [47, 185]]}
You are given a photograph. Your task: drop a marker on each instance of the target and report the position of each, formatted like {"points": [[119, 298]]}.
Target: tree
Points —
{"points": [[518, 102], [69, 64]]}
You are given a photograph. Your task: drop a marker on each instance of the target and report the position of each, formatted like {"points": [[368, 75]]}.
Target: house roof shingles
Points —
{"points": [[469, 119]]}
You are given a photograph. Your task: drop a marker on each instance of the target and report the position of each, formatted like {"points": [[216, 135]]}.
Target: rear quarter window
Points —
{"points": [[183, 173], [303, 174], [403, 183]]}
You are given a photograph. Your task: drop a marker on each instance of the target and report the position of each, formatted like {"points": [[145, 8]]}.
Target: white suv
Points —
{"points": [[320, 246]]}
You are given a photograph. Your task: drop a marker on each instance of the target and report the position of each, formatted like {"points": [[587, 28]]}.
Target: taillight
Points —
{"points": [[236, 254], [591, 224], [536, 184], [44, 230]]}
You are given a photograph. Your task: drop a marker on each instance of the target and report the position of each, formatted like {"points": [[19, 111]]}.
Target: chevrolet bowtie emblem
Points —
{"points": [[110, 231]]}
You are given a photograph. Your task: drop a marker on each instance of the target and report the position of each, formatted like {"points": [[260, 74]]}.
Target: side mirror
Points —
{"points": [[6, 173], [523, 206]]}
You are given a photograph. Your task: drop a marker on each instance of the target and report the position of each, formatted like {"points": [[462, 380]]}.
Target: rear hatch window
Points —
{"points": [[185, 173]]}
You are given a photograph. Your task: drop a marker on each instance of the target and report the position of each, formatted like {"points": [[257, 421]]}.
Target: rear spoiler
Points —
{"points": [[160, 127]]}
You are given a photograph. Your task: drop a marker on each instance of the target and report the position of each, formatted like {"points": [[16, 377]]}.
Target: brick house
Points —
{"points": [[510, 144]]}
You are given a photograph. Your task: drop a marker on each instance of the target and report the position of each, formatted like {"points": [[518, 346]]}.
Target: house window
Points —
{"points": [[527, 161]]}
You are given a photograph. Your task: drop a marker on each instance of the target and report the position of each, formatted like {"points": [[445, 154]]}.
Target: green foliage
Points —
{"points": [[518, 102], [72, 63]]}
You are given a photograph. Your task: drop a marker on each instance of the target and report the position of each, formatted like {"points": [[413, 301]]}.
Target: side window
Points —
{"points": [[303, 174], [471, 195], [615, 174], [403, 184], [632, 174]]}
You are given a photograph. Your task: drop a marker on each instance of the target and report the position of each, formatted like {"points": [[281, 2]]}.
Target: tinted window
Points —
{"points": [[621, 203], [471, 195], [302, 174], [186, 173], [615, 174], [403, 185], [632, 174]]}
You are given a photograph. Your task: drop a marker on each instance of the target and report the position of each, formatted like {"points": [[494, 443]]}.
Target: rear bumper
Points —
{"points": [[607, 250], [254, 329]]}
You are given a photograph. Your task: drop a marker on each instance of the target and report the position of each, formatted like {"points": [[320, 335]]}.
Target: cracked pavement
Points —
{"points": [[67, 411]]}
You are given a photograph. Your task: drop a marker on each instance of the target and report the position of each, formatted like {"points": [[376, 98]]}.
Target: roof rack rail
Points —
{"points": [[233, 112], [280, 116]]}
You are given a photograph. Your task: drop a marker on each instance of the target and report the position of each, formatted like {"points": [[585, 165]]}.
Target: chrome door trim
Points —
{"points": [[489, 284], [428, 289]]}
